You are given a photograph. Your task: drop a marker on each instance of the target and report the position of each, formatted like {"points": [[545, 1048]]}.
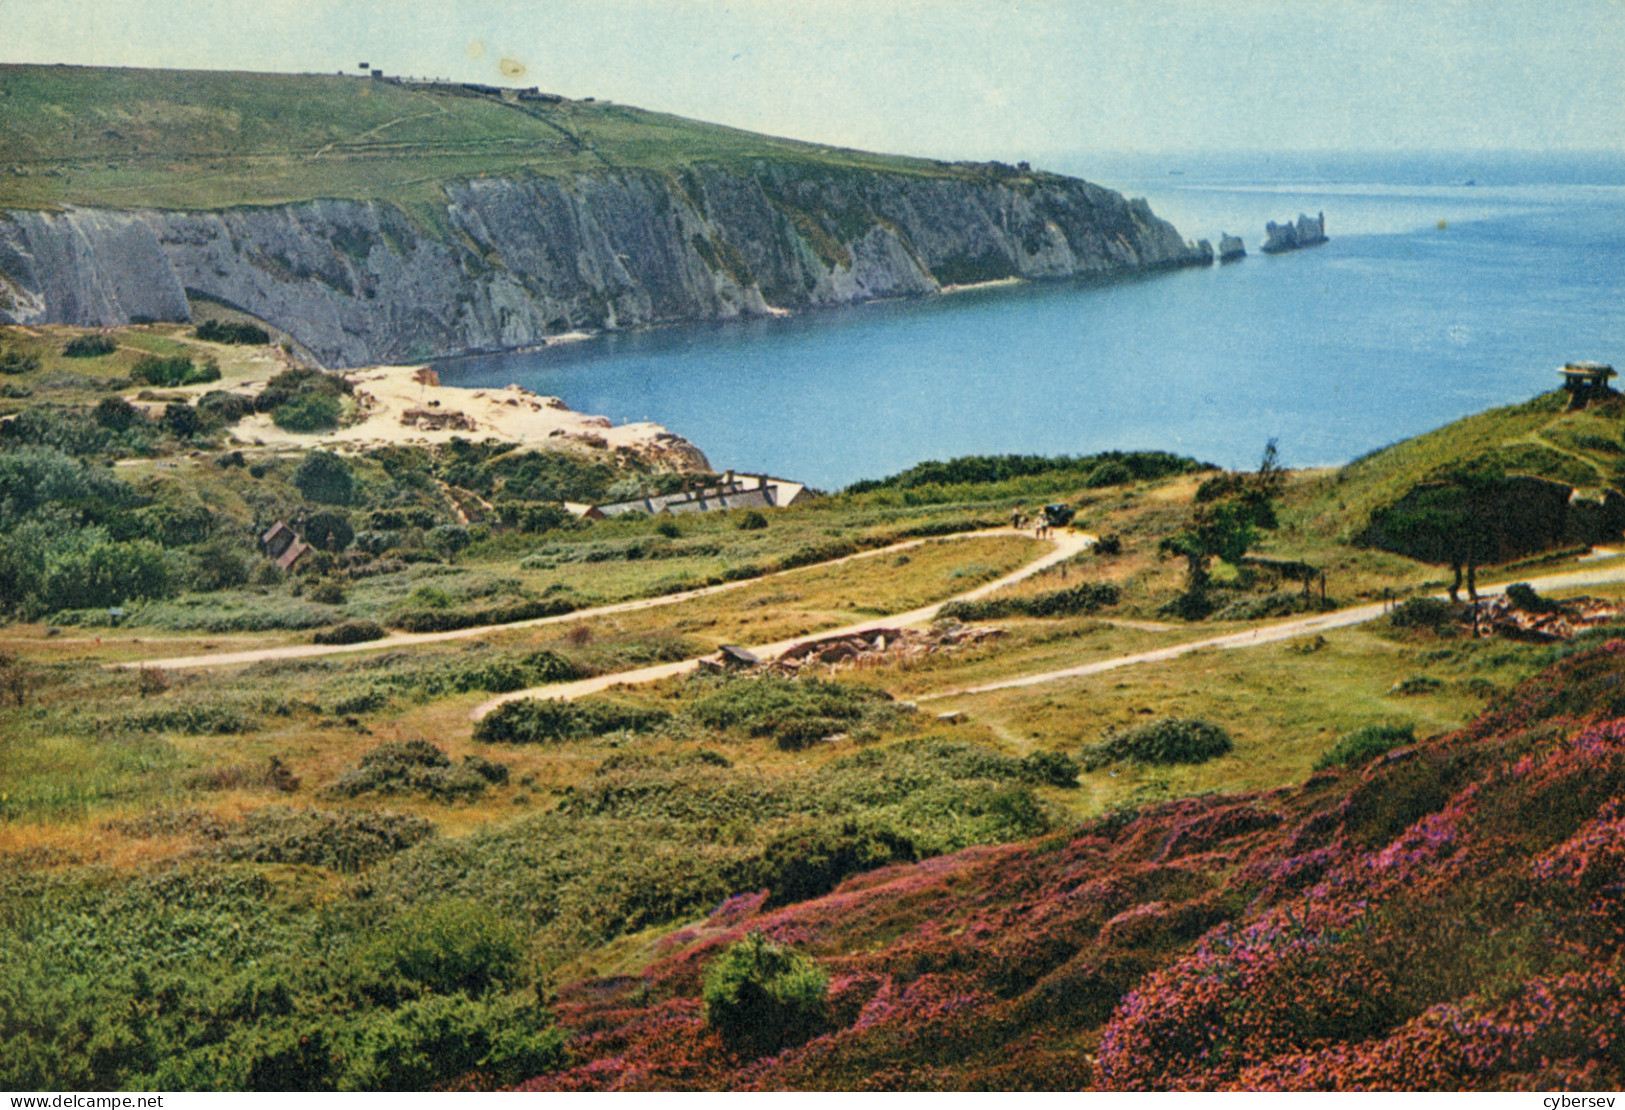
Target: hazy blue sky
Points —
{"points": [[953, 78]]}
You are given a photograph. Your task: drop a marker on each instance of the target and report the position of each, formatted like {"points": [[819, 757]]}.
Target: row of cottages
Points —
{"points": [[741, 491]]}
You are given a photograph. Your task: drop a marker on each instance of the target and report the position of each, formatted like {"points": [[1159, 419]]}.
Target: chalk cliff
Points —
{"points": [[519, 259]]}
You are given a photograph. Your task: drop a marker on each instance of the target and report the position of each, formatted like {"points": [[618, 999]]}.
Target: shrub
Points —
{"points": [[15, 362], [182, 421], [117, 414], [418, 767], [1169, 740], [218, 331], [1108, 474], [1109, 544], [809, 863], [1050, 769], [454, 945], [1365, 744], [329, 531], [308, 413], [669, 529], [547, 721], [763, 997], [325, 477], [1523, 596], [340, 841], [227, 408], [795, 713], [1086, 597], [89, 346], [173, 371], [1423, 613], [350, 632], [327, 592], [445, 620], [751, 521]]}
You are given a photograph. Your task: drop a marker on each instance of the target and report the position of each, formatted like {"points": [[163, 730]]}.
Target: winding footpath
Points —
{"points": [[1065, 547]]}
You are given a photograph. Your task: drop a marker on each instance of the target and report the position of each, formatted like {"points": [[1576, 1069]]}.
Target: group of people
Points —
{"points": [[1041, 525]]}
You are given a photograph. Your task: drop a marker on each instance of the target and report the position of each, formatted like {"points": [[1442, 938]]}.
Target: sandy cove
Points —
{"points": [[407, 405]]}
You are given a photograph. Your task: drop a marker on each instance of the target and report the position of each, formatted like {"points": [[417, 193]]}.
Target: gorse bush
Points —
{"points": [[455, 945], [794, 713], [345, 842], [1084, 598], [551, 721], [172, 371], [351, 632], [762, 997], [1428, 613], [419, 767], [1169, 740], [1361, 746], [219, 331], [89, 346], [308, 412]]}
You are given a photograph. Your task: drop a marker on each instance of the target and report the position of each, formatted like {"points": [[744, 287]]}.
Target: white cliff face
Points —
{"points": [[358, 283]]}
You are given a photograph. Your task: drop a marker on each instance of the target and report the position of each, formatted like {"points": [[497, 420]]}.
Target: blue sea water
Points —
{"points": [[1434, 299]]}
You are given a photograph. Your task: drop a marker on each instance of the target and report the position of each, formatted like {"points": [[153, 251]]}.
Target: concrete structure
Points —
{"points": [[1586, 382], [744, 491]]}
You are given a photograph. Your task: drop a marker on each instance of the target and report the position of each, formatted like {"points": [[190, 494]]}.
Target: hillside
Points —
{"points": [[1442, 916], [378, 222]]}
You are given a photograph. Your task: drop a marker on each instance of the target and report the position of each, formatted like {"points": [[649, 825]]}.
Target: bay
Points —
{"points": [[1435, 298]]}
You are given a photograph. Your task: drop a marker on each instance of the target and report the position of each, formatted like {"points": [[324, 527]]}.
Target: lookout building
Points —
{"points": [[1586, 382]]}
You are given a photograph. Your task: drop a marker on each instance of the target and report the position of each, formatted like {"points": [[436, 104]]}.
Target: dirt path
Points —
{"points": [[1270, 634], [1066, 546]]}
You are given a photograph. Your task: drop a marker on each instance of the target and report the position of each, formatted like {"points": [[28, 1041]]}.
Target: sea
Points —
{"points": [[1450, 284]]}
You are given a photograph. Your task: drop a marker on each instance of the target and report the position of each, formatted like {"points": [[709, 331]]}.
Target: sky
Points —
{"points": [[1005, 79]]}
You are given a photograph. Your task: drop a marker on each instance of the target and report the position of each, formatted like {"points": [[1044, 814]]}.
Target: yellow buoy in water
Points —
{"points": [[1443, 224]]}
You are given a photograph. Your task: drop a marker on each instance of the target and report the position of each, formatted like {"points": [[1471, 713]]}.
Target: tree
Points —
{"points": [[1230, 513], [325, 477], [1456, 519], [329, 531]]}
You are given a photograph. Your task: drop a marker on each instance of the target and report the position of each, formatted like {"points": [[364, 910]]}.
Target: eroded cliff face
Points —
{"points": [[517, 260]]}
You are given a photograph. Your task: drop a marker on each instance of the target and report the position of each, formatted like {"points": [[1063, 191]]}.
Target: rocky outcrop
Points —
{"points": [[516, 260], [1309, 231], [1231, 248]]}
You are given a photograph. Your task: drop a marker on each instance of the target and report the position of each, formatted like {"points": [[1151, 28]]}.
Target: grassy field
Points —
{"points": [[180, 139]]}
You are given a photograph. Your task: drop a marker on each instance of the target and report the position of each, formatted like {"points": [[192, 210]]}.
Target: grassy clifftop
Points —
{"points": [[194, 139]]}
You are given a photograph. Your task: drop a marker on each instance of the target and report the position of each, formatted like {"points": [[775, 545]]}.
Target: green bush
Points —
{"points": [[345, 842], [1365, 744], [1523, 596], [225, 408], [1108, 474], [549, 721], [1087, 597], [1427, 613], [811, 862], [308, 413], [762, 997], [89, 346], [454, 945], [218, 331], [445, 620], [796, 713], [1169, 740], [15, 362], [751, 521], [350, 632], [325, 478], [116, 414], [172, 371], [418, 767]]}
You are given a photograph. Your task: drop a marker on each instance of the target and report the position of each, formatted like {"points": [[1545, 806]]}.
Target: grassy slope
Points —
{"points": [[1539, 437], [191, 139]]}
